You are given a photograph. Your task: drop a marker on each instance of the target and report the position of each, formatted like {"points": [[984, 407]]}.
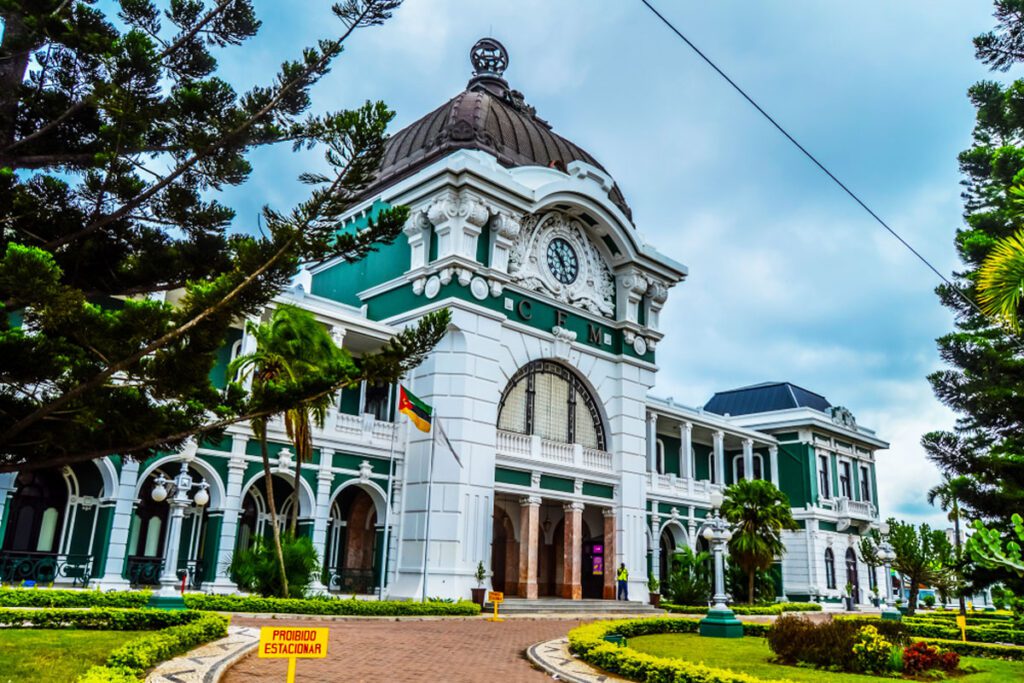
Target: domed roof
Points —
{"points": [[487, 116]]}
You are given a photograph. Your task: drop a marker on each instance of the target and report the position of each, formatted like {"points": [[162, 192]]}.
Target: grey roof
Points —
{"points": [[765, 397], [490, 117]]}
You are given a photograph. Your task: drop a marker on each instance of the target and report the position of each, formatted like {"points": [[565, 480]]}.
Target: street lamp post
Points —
{"points": [[720, 622], [176, 492], [886, 554]]}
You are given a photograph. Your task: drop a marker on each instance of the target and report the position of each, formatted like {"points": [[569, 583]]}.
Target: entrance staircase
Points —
{"points": [[516, 606]]}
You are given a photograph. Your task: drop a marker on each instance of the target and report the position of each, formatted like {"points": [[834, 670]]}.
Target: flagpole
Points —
{"points": [[387, 506], [426, 543]]}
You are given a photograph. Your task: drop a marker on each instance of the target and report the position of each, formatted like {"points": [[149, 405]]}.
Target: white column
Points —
{"points": [[229, 522], [652, 442], [685, 450], [7, 489], [718, 440], [773, 462], [322, 511], [120, 526], [748, 458], [656, 546]]}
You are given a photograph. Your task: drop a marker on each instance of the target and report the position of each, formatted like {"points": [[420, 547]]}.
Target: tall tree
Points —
{"points": [[947, 494], [984, 381], [923, 554], [759, 512], [115, 140]]}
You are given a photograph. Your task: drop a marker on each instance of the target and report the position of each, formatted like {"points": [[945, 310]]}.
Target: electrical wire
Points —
{"points": [[814, 160]]}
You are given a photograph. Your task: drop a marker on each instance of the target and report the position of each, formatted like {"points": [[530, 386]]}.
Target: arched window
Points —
{"points": [[711, 468], [737, 467], [660, 457], [549, 400], [851, 574], [830, 569]]}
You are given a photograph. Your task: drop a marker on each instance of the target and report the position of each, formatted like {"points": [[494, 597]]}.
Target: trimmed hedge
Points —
{"points": [[51, 597], [130, 661], [776, 609], [329, 606], [932, 628], [98, 618], [588, 644], [986, 650], [1004, 615]]}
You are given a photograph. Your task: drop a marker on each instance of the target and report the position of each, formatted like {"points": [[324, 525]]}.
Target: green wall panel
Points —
{"points": [[672, 464], [794, 479], [503, 475], [219, 371], [701, 469], [556, 483], [598, 490]]}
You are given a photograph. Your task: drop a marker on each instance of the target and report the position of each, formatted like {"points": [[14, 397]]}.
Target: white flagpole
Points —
{"points": [[387, 504], [430, 486]]}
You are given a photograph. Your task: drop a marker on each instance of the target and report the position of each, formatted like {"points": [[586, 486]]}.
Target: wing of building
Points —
{"points": [[569, 467]]}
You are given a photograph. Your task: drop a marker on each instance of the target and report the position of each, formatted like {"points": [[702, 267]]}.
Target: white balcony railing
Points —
{"points": [[362, 428], [670, 484], [857, 509], [528, 447]]}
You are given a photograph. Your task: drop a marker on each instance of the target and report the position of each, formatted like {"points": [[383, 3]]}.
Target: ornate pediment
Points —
{"points": [[553, 255]]}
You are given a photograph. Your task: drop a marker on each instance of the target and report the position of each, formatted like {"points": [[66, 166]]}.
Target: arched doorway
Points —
{"points": [[851, 575], [673, 537], [33, 535], [254, 520], [504, 554], [354, 543], [147, 536]]}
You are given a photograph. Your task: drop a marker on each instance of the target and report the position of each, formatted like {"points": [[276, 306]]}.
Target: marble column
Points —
{"points": [[229, 523], [686, 450], [718, 440], [572, 564], [656, 546], [773, 463], [322, 511], [608, 588], [652, 442], [120, 526], [748, 459], [529, 538]]}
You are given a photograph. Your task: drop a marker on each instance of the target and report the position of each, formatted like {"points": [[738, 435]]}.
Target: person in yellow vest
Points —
{"points": [[623, 577]]}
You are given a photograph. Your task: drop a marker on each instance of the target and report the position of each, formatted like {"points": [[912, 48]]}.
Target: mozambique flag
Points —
{"points": [[418, 411]]}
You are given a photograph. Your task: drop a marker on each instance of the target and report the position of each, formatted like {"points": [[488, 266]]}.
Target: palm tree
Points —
{"points": [[290, 347], [759, 512], [1001, 281], [948, 494]]}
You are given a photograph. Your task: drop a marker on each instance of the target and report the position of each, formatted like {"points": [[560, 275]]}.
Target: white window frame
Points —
{"points": [[659, 456], [736, 468], [849, 494], [827, 493], [865, 483]]}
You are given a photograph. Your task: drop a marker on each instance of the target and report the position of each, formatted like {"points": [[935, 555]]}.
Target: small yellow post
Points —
{"points": [[496, 599], [961, 621], [291, 669]]}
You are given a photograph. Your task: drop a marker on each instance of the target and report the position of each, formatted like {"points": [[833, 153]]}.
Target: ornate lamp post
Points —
{"points": [[176, 492], [720, 621], [886, 554]]}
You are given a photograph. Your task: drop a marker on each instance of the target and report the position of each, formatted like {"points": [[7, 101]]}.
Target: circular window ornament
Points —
{"points": [[640, 346]]}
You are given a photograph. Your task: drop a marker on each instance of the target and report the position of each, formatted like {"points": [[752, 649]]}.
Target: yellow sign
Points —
{"points": [[278, 642], [495, 598], [961, 621]]}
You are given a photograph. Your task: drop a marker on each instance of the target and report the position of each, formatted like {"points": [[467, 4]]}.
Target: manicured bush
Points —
{"points": [[98, 618], [256, 569], [588, 644], [919, 657], [128, 662], [871, 652], [929, 601], [331, 606], [778, 608], [56, 597], [986, 650], [829, 644]]}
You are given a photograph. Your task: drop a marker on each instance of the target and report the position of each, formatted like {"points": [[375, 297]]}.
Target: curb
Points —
{"points": [[208, 662], [553, 658]]}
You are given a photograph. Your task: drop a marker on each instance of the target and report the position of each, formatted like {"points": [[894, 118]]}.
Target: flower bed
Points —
{"points": [[328, 606], [986, 650], [56, 597], [777, 608]]}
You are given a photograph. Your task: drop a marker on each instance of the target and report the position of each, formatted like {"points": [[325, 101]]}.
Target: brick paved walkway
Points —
{"points": [[454, 651]]}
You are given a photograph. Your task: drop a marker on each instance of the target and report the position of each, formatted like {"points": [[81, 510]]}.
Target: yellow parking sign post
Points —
{"points": [[961, 621], [292, 644], [495, 598]]}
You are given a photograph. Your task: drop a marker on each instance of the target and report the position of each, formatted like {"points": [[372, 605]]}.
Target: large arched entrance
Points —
{"points": [[255, 519], [354, 543]]}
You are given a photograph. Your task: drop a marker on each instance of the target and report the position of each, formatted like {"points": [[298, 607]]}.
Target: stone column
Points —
{"points": [[529, 537], [656, 546], [229, 523], [608, 588], [652, 442], [773, 463], [748, 459], [718, 440], [572, 564], [123, 509], [322, 511], [686, 450]]}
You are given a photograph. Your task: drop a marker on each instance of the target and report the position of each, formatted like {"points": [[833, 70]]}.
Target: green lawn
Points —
{"points": [[751, 655], [55, 656]]}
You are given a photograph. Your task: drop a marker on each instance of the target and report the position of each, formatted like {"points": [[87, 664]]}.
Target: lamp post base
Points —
{"points": [[890, 614], [721, 623], [168, 598]]}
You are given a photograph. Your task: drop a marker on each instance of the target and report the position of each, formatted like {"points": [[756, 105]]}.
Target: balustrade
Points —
{"points": [[16, 567]]}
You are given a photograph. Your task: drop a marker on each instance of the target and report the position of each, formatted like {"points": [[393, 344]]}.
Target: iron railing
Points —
{"points": [[18, 566], [352, 581]]}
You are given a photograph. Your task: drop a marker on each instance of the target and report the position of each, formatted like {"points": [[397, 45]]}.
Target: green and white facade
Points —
{"points": [[543, 385]]}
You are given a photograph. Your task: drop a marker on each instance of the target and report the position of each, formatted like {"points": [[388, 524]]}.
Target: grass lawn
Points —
{"points": [[751, 655], [55, 656]]}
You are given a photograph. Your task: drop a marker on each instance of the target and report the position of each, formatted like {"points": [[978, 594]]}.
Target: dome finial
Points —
{"points": [[489, 58]]}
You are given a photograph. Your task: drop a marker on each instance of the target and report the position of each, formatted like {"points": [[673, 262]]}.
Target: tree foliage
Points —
{"points": [[988, 548], [924, 555], [120, 272], [758, 512], [984, 380], [689, 577]]}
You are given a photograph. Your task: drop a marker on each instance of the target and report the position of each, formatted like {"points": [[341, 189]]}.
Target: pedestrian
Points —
{"points": [[623, 578]]}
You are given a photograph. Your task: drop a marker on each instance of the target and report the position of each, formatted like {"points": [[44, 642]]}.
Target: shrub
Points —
{"points": [[256, 569], [736, 585], [829, 644], [929, 601], [919, 657], [778, 608], [328, 605], [689, 579], [51, 597], [871, 652], [986, 650], [105, 619]]}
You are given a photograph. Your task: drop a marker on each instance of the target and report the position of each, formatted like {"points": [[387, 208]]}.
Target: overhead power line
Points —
{"points": [[814, 160]]}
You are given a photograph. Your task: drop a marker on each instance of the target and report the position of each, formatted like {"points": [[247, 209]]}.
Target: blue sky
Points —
{"points": [[789, 279]]}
